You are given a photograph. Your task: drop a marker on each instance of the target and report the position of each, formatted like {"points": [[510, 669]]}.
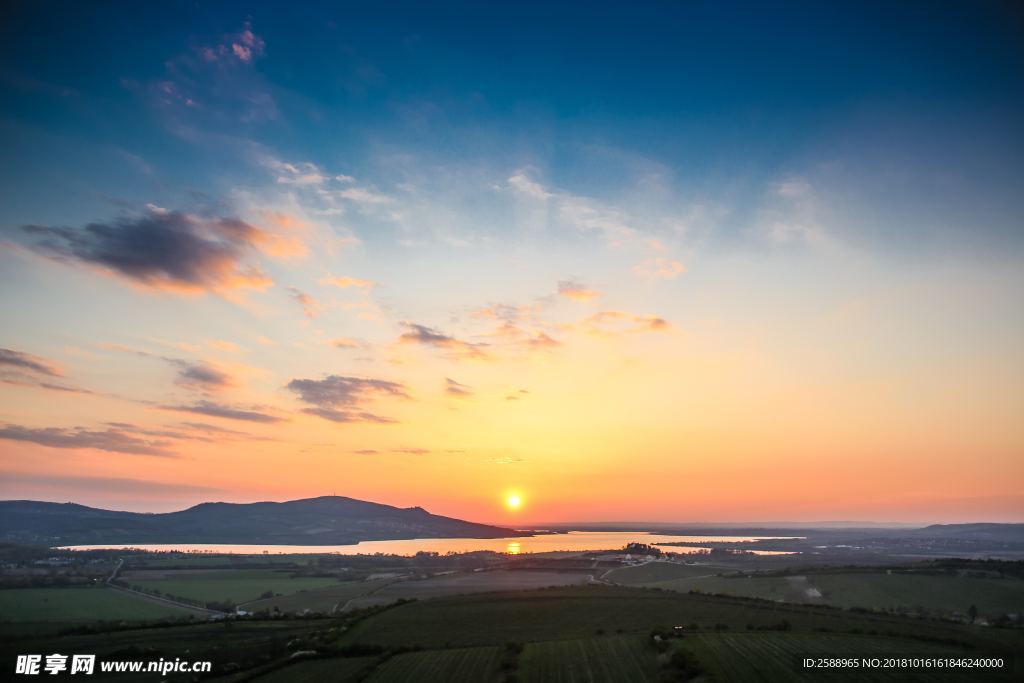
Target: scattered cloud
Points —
{"points": [[342, 399], [201, 376], [346, 343], [212, 409], [453, 388], [517, 395], [571, 289], [411, 451], [161, 249], [243, 46], [523, 184], [311, 308], [660, 268], [457, 348], [222, 345], [103, 485], [614, 322], [366, 451], [114, 440], [345, 282], [26, 361]]}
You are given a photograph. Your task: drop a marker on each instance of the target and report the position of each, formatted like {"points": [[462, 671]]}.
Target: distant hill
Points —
{"points": [[329, 520], [983, 531]]}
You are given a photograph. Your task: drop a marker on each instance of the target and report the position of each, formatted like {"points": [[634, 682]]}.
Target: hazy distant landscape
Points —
{"points": [[679, 608]]}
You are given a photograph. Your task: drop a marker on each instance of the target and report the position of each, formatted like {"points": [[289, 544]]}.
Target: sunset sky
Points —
{"points": [[678, 262]]}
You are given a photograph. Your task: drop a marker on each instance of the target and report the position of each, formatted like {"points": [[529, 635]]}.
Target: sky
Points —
{"points": [[667, 262]]}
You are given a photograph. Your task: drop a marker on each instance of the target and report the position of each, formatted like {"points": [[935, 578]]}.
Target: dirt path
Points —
{"points": [[157, 598]]}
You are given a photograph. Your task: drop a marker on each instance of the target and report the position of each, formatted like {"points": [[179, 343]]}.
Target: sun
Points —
{"points": [[513, 501]]}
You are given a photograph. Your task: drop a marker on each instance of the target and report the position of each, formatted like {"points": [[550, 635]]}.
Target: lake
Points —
{"points": [[541, 543]]}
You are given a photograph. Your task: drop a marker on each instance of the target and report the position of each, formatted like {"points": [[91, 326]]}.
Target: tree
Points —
{"points": [[972, 612]]}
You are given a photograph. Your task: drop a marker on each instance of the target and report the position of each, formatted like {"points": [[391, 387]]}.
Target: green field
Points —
{"points": [[315, 670], [463, 665], [772, 657], [220, 585], [28, 610], [920, 592], [651, 572], [629, 659], [946, 593], [322, 600], [578, 612]]}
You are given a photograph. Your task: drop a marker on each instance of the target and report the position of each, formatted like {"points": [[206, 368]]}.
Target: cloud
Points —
{"points": [[224, 345], [310, 306], [517, 395], [346, 343], [660, 268], [362, 195], [421, 334], [25, 361], [161, 249], [220, 410], [541, 340], [523, 184], [453, 388], [201, 376], [366, 451], [576, 291], [345, 282], [341, 399], [302, 173], [113, 440], [614, 322], [411, 451], [243, 46], [102, 485]]}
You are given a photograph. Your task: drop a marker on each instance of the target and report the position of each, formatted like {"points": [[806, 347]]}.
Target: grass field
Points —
{"points": [[578, 612], [946, 594], [629, 659], [317, 600], [462, 665], [475, 582], [337, 669], [651, 572], [233, 585], [38, 610], [772, 657]]}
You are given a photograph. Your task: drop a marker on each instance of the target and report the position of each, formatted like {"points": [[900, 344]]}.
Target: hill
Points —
{"points": [[328, 520]]}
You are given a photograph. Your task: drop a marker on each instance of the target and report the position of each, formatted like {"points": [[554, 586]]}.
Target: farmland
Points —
{"points": [[926, 593], [651, 572], [223, 585], [40, 610], [771, 657], [462, 665], [332, 669], [629, 659], [324, 600], [575, 633]]}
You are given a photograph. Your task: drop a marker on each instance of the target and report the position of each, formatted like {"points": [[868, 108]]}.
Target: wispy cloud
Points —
{"points": [[201, 376], [212, 409], [113, 440], [311, 308], [571, 289], [453, 388], [161, 249], [345, 282], [456, 348], [26, 361], [659, 268], [343, 399]]}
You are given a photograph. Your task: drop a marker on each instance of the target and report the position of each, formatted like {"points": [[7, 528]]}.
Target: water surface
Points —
{"points": [[541, 543]]}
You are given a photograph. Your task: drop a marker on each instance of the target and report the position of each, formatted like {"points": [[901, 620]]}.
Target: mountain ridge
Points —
{"points": [[324, 520]]}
